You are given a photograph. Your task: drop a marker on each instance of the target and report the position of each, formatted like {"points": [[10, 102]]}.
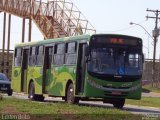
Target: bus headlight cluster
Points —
{"points": [[93, 84], [135, 87]]}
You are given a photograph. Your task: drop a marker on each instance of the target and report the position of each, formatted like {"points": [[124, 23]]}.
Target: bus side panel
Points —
{"points": [[59, 80], [35, 74], [16, 79], [48, 80]]}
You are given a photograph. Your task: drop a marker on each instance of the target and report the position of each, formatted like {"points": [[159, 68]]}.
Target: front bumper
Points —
{"points": [[95, 89]]}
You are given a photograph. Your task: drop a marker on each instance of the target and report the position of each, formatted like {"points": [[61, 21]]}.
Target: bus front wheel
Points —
{"points": [[70, 98], [119, 104], [32, 95], [31, 91]]}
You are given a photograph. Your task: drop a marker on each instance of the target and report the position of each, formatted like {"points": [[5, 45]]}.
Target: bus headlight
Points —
{"points": [[92, 83]]}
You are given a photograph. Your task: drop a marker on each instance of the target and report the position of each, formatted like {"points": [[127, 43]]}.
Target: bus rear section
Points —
{"points": [[114, 68], [31, 70]]}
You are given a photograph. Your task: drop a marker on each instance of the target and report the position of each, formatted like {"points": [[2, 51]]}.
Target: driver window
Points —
{"points": [[133, 60]]}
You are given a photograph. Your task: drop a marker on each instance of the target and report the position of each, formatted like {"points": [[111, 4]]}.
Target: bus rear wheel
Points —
{"points": [[119, 103], [70, 98], [31, 93]]}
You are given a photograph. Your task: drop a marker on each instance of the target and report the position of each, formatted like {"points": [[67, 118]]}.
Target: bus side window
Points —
{"points": [[18, 57], [32, 57], [39, 55], [70, 57], [59, 54]]}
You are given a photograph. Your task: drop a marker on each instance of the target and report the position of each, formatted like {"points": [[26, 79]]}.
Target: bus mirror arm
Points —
{"points": [[143, 58], [88, 59], [87, 54], [87, 51]]}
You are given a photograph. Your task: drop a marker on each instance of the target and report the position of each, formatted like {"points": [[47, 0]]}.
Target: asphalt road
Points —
{"points": [[151, 94], [148, 111]]}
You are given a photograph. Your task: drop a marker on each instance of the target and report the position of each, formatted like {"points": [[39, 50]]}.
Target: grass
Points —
{"points": [[60, 111], [145, 101], [149, 88]]}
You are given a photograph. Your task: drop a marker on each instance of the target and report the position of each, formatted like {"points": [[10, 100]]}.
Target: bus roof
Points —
{"points": [[47, 41], [71, 38]]}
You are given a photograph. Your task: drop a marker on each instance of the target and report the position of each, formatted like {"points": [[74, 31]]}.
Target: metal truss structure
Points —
{"points": [[54, 18]]}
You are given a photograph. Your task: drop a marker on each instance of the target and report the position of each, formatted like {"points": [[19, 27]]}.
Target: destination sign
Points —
{"points": [[115, 40]]}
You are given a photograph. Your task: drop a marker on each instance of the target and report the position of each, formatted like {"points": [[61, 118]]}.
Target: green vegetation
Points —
{"points": [[149, 88], [61, 110], [145, 101]]}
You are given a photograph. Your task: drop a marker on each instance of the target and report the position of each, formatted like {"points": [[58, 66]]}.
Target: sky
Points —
{"points": [[107, 16]]}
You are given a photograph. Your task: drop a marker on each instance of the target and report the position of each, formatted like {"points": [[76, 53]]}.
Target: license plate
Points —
{"points": [[3, 88], [116, 93]]}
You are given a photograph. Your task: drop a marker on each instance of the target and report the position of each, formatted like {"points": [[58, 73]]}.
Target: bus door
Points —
{"points": [[24, 68], [47, 68], [81, 67]]}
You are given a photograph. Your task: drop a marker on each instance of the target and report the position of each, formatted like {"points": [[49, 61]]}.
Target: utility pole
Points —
{"points": [[155, 33]]}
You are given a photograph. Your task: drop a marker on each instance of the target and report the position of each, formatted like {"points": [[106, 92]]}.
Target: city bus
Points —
{"points": [[106, 67]]}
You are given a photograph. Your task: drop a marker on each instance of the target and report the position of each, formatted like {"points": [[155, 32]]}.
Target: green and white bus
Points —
{"points": [[105, 67]]}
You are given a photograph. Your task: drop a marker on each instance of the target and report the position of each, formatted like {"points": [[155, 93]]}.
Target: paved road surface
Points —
{"points": [[151, 94]]}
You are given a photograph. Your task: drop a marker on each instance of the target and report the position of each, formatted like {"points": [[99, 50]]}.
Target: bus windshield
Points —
{"points": [[115, 61]]}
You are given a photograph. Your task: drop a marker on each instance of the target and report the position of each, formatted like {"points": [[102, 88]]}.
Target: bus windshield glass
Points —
{"points": [[115, 61]]}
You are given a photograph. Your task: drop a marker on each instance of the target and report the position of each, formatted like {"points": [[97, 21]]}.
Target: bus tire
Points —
{"points": [[119, 104], [31, 91], [70, 98]]}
